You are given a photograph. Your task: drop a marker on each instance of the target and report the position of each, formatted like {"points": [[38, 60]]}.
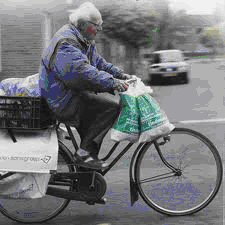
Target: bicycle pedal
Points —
{"points": [[90, 203], [100, 201]]}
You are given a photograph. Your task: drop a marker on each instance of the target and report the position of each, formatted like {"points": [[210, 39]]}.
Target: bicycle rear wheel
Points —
{"points": [[43, 209], [192, 187]]}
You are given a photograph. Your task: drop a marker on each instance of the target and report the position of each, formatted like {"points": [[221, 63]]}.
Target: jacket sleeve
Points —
{"points": [[108, 67], [73, 68]]}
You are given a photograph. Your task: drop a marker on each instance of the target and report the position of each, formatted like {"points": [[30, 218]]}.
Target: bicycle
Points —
{"points": [[157, 170]]}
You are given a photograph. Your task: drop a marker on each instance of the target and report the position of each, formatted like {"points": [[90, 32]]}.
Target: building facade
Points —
{"points": [[23, 37]]}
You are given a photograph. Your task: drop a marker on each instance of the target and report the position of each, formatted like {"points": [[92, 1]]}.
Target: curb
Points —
{"points": [[205, 121], [200, 60]]}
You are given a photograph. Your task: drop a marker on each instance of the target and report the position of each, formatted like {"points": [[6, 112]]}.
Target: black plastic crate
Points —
{"points": [[24, 113]]}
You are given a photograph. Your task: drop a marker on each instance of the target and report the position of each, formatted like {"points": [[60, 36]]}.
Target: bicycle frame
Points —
{"points": [[128, 146], [123, 151], [133, 185]]}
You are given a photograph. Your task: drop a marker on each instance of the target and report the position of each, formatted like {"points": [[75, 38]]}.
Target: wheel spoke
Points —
{"points": [[36, 210], [185, 166], [155, 178]]}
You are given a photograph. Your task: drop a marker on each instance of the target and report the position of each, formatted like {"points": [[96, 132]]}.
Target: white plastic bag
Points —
{"points": [[34, 152], [28, 86], [24, 185], [2, 92]]}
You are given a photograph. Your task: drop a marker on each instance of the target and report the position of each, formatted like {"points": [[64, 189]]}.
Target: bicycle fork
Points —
{"points": [[177, 172]]}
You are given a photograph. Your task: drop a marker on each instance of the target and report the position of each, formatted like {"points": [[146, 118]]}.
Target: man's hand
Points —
{"points": [[120, 85], [125, 76]]}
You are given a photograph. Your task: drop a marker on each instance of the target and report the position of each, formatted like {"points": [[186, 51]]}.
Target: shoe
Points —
{"points": [[90, 162], [95, 157]]}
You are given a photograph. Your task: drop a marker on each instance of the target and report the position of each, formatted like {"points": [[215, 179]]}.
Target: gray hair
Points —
{"points": [[87, 12]]}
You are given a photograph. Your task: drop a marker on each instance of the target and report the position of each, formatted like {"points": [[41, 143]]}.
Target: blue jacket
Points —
{"points": [[70, 65]]}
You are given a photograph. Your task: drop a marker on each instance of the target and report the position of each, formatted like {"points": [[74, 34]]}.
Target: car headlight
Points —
{"points": [[154, 69]]}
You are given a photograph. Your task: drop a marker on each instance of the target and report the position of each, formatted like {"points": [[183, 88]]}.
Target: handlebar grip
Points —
{"points": [[130, 81]]}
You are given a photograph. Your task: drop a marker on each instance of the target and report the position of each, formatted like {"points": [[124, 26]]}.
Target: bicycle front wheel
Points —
{"points": [[39, 210], [193, 186]]}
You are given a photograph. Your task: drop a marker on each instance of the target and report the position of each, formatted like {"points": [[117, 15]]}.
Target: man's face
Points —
{"points": [[91, 28]]}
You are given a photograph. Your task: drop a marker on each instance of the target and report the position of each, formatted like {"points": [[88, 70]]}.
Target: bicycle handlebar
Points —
{"points": [[132, 80]]}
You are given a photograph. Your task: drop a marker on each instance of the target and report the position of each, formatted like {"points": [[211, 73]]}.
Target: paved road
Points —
{"points": [[202, 99]]}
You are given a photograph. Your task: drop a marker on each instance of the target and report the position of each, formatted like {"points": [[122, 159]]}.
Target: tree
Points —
{"points": [[212, 37], [132, 22]]}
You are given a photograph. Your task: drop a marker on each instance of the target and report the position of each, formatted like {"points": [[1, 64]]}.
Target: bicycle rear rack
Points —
{"points": [[6, 175]]}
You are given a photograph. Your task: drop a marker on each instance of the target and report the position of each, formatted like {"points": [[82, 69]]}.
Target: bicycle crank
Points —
{"points": [[86, 186]]}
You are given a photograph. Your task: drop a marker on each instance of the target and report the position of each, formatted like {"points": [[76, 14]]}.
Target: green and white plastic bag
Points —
{"points": [[153, 120], [141, 119], [127, 126]]}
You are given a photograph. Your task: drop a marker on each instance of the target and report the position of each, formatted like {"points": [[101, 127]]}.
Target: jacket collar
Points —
{"points": [[78, 34]]}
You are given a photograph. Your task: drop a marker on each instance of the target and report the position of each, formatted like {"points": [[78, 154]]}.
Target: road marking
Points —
{"points": [[218, 120]]}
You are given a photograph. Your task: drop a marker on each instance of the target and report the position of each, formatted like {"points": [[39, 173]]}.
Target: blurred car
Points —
{"points": [[168, 66]]}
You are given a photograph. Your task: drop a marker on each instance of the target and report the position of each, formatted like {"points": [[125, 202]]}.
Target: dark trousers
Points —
{"points": [[92, 115]]}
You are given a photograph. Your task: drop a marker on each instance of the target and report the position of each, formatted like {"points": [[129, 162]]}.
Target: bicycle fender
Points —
{"points": [[133, 187]]}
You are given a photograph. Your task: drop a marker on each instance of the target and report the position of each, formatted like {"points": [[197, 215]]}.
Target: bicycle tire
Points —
{"points": [[219, 169], [64, 153]]}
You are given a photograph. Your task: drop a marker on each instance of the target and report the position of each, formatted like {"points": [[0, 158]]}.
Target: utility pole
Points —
{"points": [[47, 31]]}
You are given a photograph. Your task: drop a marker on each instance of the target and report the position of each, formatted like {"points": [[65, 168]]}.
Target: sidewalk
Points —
{"points": [[204, 59]]}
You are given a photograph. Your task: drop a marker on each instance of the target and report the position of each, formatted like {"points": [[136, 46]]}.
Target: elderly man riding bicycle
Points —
{"points": [[72, 72]]}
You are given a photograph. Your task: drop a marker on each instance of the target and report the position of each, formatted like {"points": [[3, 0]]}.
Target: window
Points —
{"points": [[156, 59], [172, 56]]}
